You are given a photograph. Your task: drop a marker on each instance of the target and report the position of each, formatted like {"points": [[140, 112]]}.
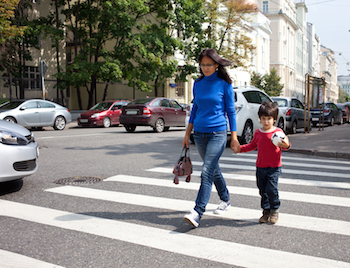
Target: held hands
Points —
{"points": [[235, 146]]}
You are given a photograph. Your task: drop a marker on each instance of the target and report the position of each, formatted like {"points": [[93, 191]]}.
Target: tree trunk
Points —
{"points": [[106, 90]]}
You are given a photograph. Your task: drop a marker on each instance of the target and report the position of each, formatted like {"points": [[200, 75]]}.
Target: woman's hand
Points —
{"points": [[235, 146], [186, 140]]}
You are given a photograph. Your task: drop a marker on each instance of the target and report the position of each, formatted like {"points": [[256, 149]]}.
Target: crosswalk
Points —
{"points": [[320, 185]]}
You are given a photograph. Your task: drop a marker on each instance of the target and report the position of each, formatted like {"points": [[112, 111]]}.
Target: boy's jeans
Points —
{"points": [[267, 182], [210, 147]]}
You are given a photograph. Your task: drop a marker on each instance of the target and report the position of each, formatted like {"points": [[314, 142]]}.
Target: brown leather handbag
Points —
{"points": [[183, 167]]}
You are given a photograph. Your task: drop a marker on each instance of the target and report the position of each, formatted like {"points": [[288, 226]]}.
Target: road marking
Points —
{"points": [[234, 213], [292, 196], [286, 163], [284, 170], [171, 241], [68, 136], [14, 260], [324, 184], [340, 162]]}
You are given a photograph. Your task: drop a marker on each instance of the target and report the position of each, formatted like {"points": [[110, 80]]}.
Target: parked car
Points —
{"points": [[345, 109], [18, 152], [36, 113], [159, 113], [294, 114], [331, 115], [247, 102], [105, 113]]}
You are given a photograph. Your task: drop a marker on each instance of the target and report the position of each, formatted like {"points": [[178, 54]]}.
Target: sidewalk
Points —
{"points": [[330, 142]]}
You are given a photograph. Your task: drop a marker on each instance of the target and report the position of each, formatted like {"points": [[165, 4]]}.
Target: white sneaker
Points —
{"points": [[223, 206], [192, 218]]}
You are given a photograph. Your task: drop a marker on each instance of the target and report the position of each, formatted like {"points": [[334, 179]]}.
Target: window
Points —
{"points": [[46, 105], [265, 6], [31, 105], [165, 103], [176, 105], [33, 75], [180, 89]]}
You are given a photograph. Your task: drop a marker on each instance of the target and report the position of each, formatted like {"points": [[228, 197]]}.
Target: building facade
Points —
{"points": [[329, 69]]}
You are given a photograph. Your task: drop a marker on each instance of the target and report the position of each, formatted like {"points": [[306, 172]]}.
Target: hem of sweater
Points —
{"points": [[209, 129]]}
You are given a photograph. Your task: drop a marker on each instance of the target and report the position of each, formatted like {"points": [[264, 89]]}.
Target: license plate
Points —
{"points": [[84, 120], [315, 119], [131, 112]]}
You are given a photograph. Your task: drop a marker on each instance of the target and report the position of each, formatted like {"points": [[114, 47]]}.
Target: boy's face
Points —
{"points": [[267, 122]]}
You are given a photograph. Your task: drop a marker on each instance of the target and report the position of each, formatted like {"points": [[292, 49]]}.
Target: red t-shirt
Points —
{"points": [[269, 155]]}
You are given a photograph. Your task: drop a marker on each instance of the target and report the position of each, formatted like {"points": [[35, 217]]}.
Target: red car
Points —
{"points": [[105, 113], [159, 113]]}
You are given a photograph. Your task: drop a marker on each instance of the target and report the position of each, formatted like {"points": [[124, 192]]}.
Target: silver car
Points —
{"points": [[293, 111], [36, 113], [18, 152], [247, 102]]}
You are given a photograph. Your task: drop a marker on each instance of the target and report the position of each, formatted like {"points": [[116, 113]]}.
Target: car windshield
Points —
{"points": [[281, 102], [102, 106], [141, 101], [11, 105]]}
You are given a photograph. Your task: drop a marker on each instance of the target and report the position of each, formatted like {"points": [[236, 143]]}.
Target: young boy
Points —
{"points": [[268, 163]]}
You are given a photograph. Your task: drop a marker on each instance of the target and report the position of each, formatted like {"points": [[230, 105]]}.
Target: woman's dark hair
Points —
{"points": [[211, 53], [268, 108]]}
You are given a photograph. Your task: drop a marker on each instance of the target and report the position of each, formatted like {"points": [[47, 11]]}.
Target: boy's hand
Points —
{"points": [[284, 143]]}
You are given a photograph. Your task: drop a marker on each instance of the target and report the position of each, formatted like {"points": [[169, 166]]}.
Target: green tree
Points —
{"points": [[144, 35], [343, 96], [270, 83], [226, 27], [7, 29]]}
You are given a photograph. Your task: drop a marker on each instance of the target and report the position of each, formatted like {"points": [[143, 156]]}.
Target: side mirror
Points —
{"points": [[22, 108]]}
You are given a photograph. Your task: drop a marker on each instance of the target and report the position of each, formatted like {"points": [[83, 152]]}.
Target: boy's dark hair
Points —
{"points": [[268, 109]]}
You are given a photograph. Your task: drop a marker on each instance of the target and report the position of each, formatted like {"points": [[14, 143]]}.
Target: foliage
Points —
{"points": [[7, 29], [227, 24], [343, 96], [270, 83], [143, 35]]}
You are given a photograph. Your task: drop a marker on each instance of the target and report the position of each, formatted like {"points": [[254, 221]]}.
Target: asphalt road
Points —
{"points": [[132, 217]]}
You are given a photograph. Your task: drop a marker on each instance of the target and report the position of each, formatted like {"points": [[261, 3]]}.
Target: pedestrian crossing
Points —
{"points": [[195, 244]]}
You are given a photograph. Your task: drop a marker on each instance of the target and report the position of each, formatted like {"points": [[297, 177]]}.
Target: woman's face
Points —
{"points": [[208, 66]]}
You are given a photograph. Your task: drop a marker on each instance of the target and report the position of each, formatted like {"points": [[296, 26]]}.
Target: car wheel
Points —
{"points": [[106, 122], [294, 127], [247, 134], [331, 122], [130, 128], [159, 125], [281, 124], [10, 119], [60, 123]]}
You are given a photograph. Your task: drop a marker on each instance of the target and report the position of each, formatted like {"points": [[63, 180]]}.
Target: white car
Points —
{"points": [[36, 113], [18, 152], [247, 102]]}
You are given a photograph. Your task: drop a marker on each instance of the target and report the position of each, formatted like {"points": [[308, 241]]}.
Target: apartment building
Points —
{"points": [[344, 83], [329, 69], [283, 22]]}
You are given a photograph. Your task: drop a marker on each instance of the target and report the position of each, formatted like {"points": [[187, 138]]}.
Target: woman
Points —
{"points": [[213, 100]]}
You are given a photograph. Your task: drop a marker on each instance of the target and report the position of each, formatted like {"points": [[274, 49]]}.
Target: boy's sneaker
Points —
{"points": [[192, 218], [223, 206], [265, 217], [274, 217]]}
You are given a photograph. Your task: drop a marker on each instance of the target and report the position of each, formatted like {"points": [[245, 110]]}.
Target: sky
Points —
{"points": [[331, 19]]}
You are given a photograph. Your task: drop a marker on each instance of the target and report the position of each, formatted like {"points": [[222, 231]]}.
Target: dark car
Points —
{"points": [[331, 114], [345, 109], [159, 113], [105, 113], [293, 111]]}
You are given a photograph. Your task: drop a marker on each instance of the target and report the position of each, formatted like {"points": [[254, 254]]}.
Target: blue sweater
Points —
{"points": [[213, 99]]}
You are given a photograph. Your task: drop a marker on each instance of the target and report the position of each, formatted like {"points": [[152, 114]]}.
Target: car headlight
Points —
{"points": [[11, 138], [95, 115]]}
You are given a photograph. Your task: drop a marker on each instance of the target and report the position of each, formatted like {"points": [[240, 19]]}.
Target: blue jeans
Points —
{"points": [[267, 182], [210, 147]]}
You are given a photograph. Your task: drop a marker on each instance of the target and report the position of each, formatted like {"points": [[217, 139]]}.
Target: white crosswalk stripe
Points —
{"points": [[198, 246]]}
